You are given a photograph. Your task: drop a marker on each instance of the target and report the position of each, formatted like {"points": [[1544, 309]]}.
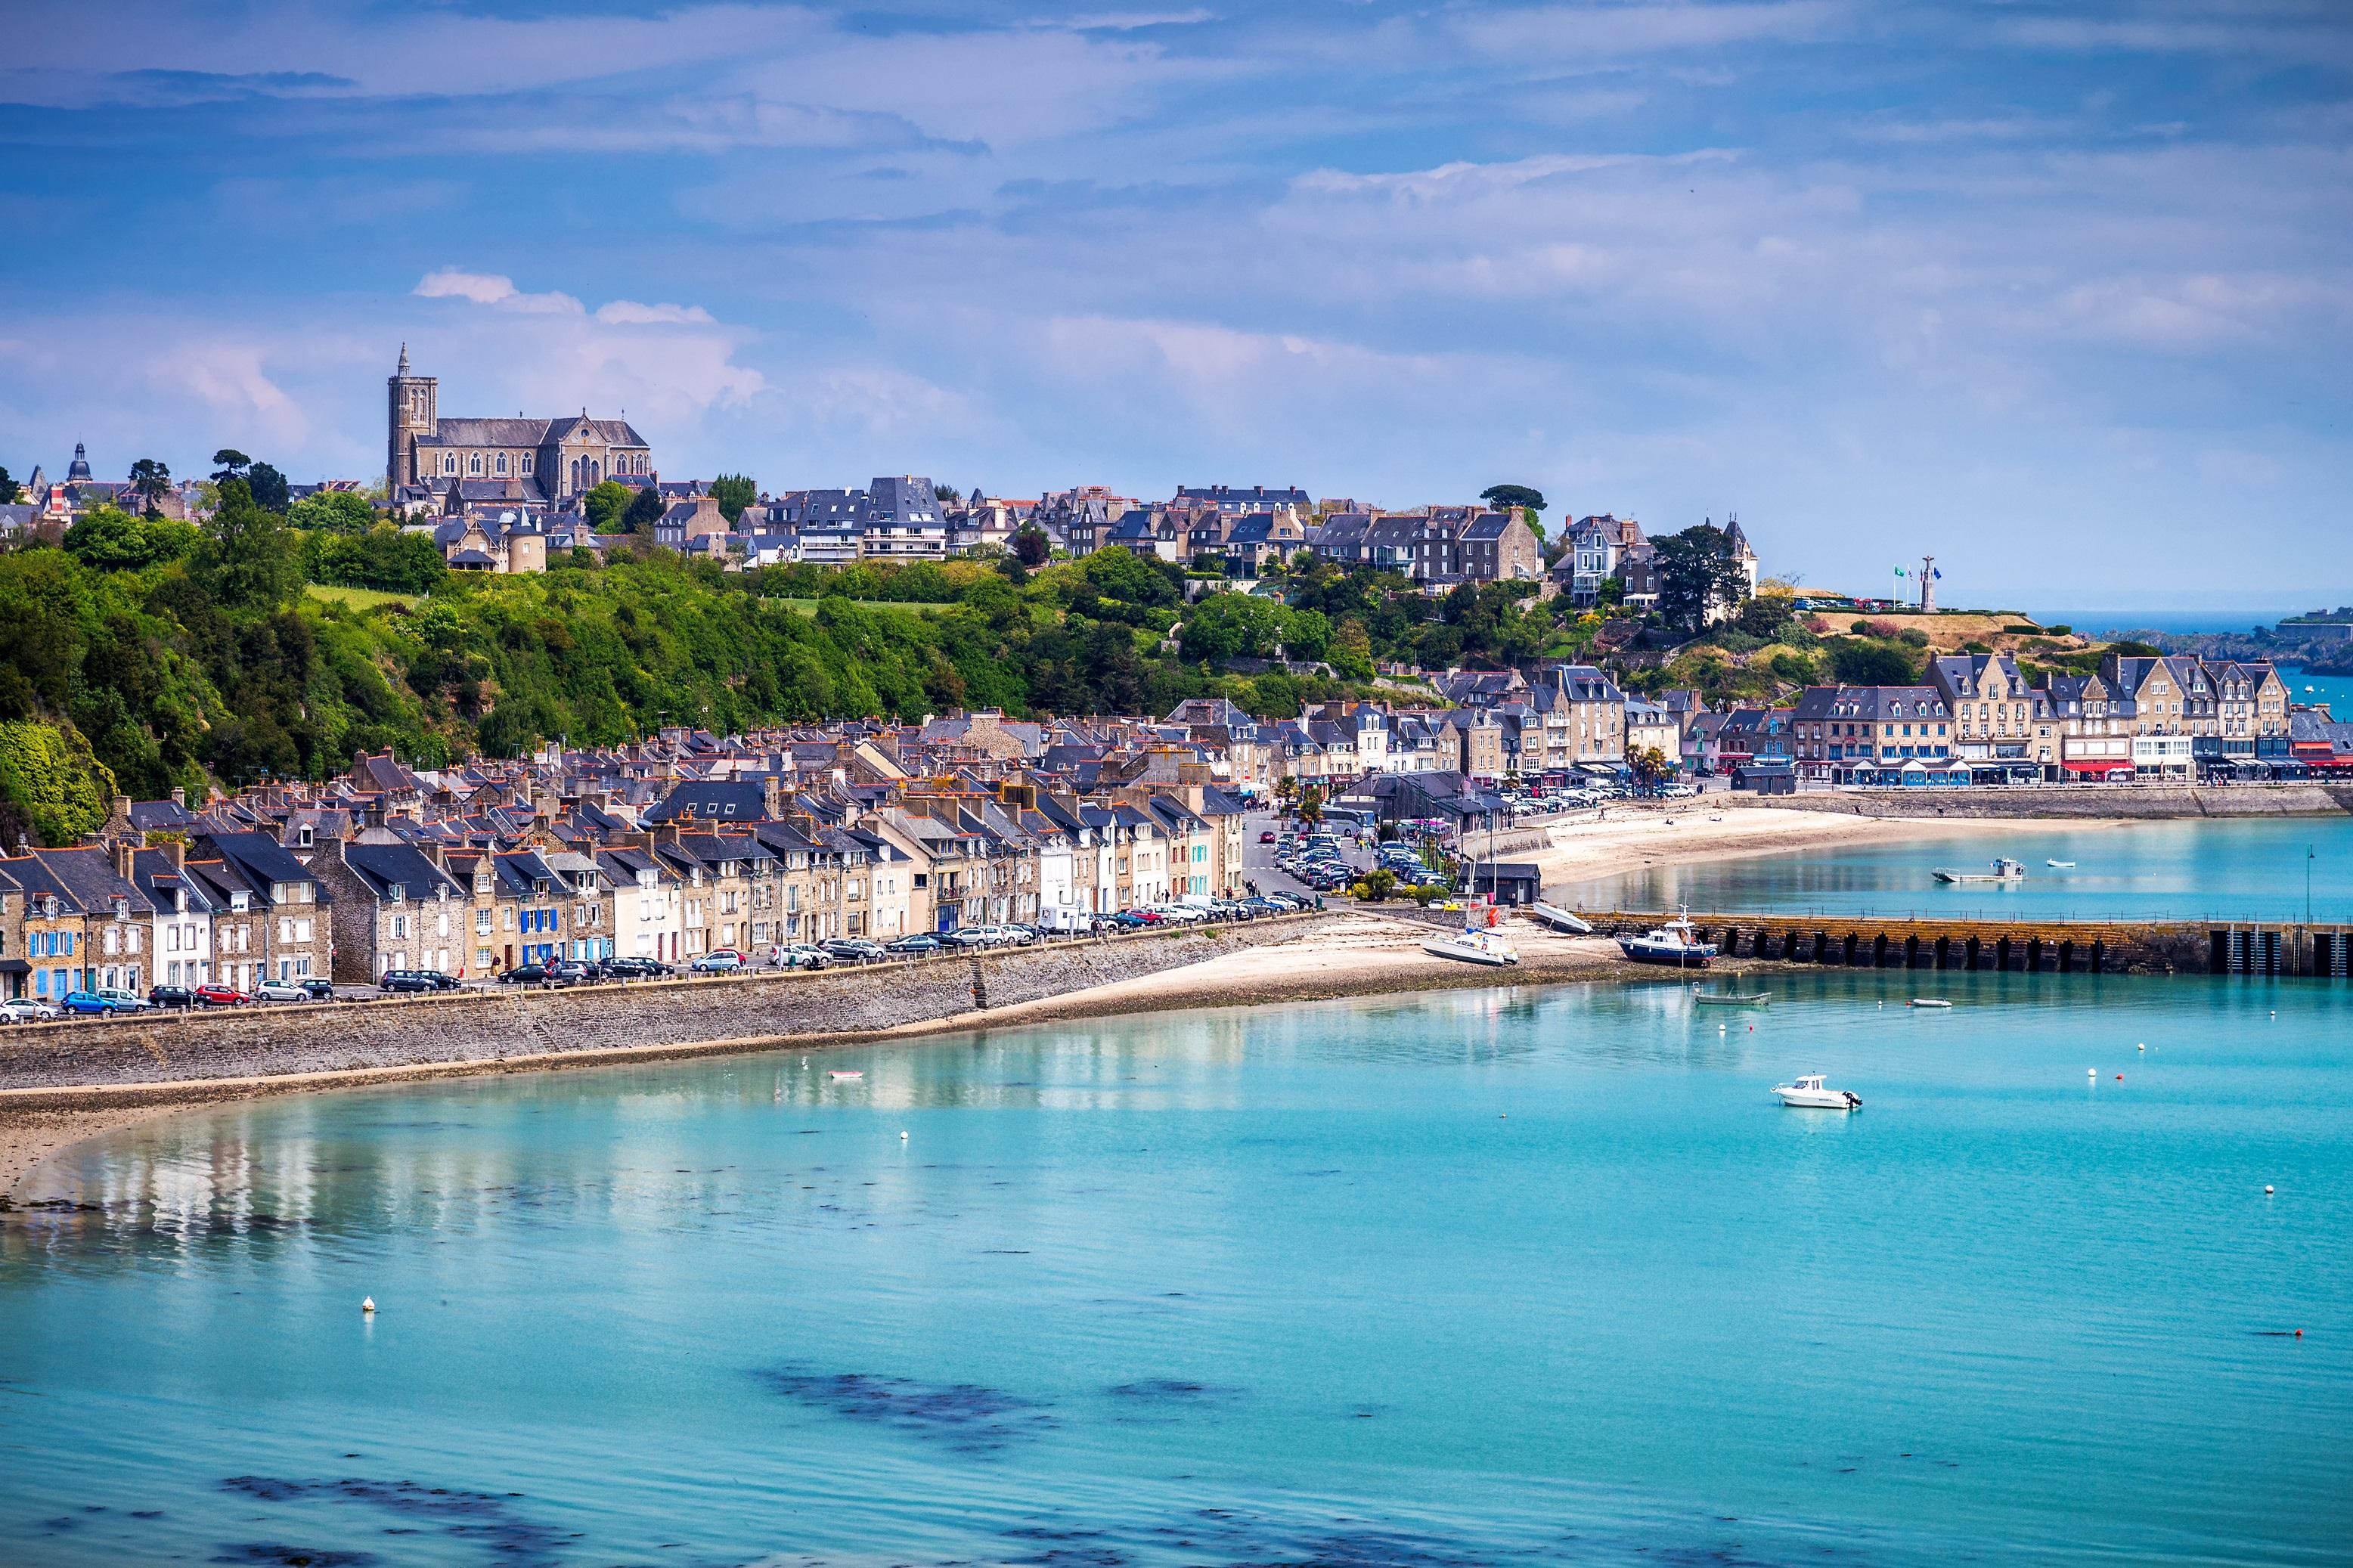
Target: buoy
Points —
{"points": [[2120, 1077], [902, 1137], [2267, 1189], [2092, 1073], [367, 1303], [2142, 1047]]}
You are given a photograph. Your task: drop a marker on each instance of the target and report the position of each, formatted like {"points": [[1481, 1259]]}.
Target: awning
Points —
{"points": [[14, 966], [2096, 764]]}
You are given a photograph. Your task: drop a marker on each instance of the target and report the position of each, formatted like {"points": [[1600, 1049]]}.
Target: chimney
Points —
{"points": [[772, 787], [123, 850], [175, 850], [179, 795]]}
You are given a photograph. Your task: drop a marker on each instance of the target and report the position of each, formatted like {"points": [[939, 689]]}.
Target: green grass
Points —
{"points": [[361, 598]]}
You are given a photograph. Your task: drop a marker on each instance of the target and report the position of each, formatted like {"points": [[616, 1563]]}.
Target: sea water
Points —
{"points": [[1495, 1277], [2224, 870]]}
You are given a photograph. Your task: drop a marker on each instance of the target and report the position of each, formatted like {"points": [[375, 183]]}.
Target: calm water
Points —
{"points": [[2187, 871], [1482, 1279]]}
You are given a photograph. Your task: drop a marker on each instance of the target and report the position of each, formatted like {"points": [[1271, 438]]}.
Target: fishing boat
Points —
{"points": [[1809, 1094], [1929, 1001], [1731, 998], [1474, 947], [1561, 920], [2004, 871], [2061, 865], [1674, 942]]}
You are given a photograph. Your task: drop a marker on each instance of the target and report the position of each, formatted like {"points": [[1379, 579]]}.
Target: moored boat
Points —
{"points": [[2061, 865], [1810, 1093], [1561, 920], [1929, 1001], [2005, 870], [1474, 947], [1731, 998], [1675, 942]]}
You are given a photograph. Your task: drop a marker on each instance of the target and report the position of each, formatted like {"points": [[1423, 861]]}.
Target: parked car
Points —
{"points": [[415, 979], [280, 991], [103, 1002], [1676, 792], [800, 955], [916, 944], [1134, 920], [214, 994], [318, 990], [635, 969], [26, 1010], [718, 960], [963, 937], [854, 950], [171, 997]]}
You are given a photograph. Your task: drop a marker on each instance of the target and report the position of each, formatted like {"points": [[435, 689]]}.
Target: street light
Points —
{"points": [[2308, 884]]}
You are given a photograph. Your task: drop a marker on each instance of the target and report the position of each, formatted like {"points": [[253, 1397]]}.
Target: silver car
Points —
{"points": [[26, 1010]]}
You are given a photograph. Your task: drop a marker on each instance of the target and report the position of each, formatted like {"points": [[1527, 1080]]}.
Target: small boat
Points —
{"points": [[840, 1074], [2004, 871], [1731, 998], [1674, 942], [1807, 1094], [1929, 1001], [2061, 865], [1474, 947], [1561, 920]]}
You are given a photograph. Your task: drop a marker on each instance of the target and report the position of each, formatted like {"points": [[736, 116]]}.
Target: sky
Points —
{"points": [[2058, 293]]}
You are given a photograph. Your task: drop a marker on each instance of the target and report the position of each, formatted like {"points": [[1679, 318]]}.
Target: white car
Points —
{"points": [[278, 991], [24, 1010], [1677, 792]]}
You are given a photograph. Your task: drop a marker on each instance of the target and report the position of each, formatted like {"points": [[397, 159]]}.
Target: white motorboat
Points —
{"points": [[2061, 865], [840, 1077], [1675, 942], [1474, 947], [1561, 920], [1809, 1094], [1929, 1001], [2004, 871]]}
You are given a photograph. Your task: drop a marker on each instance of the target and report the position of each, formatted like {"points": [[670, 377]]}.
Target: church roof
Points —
{"points": [[80, 468], [525, 432]]}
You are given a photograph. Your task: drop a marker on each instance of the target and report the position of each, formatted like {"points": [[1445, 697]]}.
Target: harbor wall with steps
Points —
{"points": [[281, 1038], [2111, 947]]}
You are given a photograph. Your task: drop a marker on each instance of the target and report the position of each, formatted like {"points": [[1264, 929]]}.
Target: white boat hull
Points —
{"points": [[1817, 1098], [1493, 956], [1560, 919]]}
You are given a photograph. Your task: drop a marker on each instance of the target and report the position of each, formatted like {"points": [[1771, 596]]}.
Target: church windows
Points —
{"points": [[526, 462], [474, 462], [450, 462], [503, 464]]}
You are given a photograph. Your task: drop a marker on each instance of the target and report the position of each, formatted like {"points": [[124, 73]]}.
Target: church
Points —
{"points": [[525, 459]]}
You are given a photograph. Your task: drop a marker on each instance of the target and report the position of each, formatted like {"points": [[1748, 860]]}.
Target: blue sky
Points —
{"points": [[2060, 293]]}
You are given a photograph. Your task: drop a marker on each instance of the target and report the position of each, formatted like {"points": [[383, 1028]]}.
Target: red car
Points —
{"points": [[214, 994], [1267, 837]]}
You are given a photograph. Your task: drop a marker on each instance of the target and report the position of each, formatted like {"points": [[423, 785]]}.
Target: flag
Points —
{"points": [[1899, 571], [1940, 573]]}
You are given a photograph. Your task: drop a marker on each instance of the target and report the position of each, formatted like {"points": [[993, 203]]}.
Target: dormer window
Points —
{"points": [[396, 893]]}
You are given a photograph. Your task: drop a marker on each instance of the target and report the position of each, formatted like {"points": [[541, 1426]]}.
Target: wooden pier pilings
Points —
{"points": [[2090, 947]]}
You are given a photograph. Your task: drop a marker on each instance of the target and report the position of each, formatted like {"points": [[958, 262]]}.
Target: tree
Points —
{"points": [[332, 511], [247, 561], [1648, 763], [1311, 804], [948, 495], [232, 465], [733, 493], [1503, 498], [9, 489], [107, 539], [1767, 617], [270, 491], [1030, 545], [1696, 574], [606, 503], [151, 482], [644, 510], [1286, 791], [48, 775]]}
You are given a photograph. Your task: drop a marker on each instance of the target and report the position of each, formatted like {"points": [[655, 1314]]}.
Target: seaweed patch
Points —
{"points": [[282, 1556], [480, 1518], [967, 1416]]}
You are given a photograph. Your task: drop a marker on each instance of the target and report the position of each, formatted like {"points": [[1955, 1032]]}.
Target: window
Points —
{"points": [[449, 463], [474, 463], [502, 463], [526, 462]]}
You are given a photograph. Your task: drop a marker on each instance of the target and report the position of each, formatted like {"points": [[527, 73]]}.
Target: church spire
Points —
{"points": [[403, 361]]}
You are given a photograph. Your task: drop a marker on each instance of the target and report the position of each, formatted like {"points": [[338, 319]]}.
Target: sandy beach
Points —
{"points": [[1358, 954]]}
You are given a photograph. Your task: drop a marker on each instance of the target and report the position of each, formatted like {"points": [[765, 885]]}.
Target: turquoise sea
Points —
{"points": [[2242, 871], [1509, 1277]]}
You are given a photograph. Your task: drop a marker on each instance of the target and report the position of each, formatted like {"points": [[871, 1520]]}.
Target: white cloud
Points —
{"points": [[492, 289], [629, 314]]}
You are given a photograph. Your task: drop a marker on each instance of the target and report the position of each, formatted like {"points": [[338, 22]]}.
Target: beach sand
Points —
{"points": [[1358, 953]]}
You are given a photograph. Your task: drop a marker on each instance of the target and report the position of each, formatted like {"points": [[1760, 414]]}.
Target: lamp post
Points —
{"points": [[2308, 884]]}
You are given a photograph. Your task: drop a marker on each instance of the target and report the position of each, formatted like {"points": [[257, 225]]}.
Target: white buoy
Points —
{"points": [[902, 1137], [2092, 1073], [367, 1303], [2141, 1047], [2267, 1189]]}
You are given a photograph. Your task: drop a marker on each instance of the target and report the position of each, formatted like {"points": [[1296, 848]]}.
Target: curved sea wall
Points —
{"points": [[476, 1025], [2131, 801]]}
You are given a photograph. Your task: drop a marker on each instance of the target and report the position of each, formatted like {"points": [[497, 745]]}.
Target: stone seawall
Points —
{"points": [[474, 1025], [2127, 802]]}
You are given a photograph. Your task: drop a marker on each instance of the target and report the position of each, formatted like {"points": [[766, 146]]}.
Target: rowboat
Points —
{"points": [[1731, 998], [1561, 920]]}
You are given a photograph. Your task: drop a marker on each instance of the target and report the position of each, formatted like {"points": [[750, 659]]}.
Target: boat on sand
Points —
{"points": [[1474, 947]]}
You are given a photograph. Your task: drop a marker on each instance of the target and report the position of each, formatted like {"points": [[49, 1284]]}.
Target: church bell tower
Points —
{"points": [[413, 410]]}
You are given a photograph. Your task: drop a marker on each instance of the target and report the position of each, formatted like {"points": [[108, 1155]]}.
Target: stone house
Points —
{"points": [[294, 937], [392, 908]]}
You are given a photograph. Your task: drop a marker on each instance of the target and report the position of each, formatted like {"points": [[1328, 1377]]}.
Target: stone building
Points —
{"points": [[555, 459]]}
